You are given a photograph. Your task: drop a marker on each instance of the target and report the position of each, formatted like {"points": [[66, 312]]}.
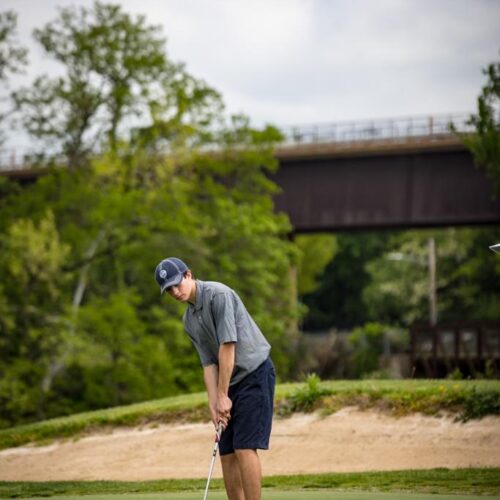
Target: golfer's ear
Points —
{"points": [[188, 274]]}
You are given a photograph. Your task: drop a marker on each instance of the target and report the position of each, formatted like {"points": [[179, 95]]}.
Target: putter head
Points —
{"points": [[495, 248]]}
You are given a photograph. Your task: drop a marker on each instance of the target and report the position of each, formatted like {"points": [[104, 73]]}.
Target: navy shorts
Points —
{"points": [[252, 411]]}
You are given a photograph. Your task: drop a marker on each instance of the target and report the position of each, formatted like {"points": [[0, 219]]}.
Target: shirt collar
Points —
{"points": [[198, 302]]}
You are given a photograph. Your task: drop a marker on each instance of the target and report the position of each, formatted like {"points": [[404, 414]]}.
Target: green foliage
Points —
{"points": [[467, 277], [31, 329], [455, 374], [317, 250], [398, 289], [465, 400], [368, 342], [485, 142], [109, 337], [116, 72], [305, 398], [479, 403], [82, 323], [122, 362], [385, 278], [338, 299]]}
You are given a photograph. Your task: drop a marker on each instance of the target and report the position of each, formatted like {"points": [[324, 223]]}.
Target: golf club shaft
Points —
{"points": [[214, 454]]}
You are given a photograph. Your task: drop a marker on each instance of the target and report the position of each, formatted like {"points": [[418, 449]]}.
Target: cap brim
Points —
{"points": [[172, 282]]}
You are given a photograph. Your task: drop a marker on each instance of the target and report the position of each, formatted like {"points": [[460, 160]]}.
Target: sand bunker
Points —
{"points": [[347, 441]]}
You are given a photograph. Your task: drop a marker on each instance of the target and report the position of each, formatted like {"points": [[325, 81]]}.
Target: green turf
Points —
{"points": [[485, 481], [282, 495]]}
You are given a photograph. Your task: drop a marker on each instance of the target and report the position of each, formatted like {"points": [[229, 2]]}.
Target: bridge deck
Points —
{"points": [[444, 142]]}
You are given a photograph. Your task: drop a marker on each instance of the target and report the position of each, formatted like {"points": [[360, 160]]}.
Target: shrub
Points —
{"points": [[479, 403]]}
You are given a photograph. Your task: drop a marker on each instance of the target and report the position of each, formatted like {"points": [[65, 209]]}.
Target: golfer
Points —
{"points": [[238, 373]]}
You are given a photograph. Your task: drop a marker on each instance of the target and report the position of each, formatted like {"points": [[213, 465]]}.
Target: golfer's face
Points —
{"points": [[182, 291]]}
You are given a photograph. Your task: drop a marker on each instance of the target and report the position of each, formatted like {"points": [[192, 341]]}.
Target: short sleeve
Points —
{"points": [[206, 359], [224, 318]]}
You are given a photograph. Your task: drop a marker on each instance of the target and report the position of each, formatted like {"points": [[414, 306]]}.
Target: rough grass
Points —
{"points": [[484, 481], [466, 399]]}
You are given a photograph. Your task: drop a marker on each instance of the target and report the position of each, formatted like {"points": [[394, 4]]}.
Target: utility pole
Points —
{"points": [[431, 246]]}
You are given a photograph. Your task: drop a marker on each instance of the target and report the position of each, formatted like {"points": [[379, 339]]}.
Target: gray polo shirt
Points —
{"points": [[218, 317]]}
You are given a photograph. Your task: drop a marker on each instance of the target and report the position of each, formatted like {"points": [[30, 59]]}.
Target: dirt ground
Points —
{"points": [[347, 441]]}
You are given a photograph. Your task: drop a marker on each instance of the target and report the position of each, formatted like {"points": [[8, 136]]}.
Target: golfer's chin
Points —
{"points": [[181, 298]]}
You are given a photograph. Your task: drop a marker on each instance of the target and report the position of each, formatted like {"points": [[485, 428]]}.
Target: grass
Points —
{"points": [[467, 399], [282, 495], [484, 481]]}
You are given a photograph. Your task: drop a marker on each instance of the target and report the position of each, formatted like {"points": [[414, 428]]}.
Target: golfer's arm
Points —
{"points": [[211, 376], [226, 367]]}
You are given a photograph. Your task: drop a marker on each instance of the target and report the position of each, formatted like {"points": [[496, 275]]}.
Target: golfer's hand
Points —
{"points": [[224, 405]]}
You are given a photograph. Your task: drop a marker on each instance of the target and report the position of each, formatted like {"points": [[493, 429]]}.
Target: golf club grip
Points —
{"points": [[217, 439]]}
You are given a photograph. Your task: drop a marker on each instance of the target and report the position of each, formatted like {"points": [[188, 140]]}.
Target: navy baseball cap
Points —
{"points": [[169, 272]]}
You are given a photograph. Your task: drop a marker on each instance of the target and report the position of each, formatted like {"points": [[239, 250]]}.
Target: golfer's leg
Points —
{"points": [[232, 478], [251, 473]]}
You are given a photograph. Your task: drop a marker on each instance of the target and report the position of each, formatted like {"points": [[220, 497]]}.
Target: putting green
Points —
{"points": [[279, 495]]}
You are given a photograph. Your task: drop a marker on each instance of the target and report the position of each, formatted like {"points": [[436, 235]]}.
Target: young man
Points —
{"points": [[238, 373]]}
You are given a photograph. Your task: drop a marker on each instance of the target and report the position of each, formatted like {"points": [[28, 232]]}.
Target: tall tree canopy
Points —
{"points": [[82, 324], [116, 77]]}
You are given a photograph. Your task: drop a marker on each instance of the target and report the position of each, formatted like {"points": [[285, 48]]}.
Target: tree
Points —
{"points": [[102, 335], [117, 78], [33, 313], [13, 58], [367, 343], [117, 340], [467, 277], [317, 250], [485, 143], [338, 299]]}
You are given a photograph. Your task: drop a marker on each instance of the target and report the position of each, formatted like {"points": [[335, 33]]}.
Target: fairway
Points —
{"points": [[279, 495]]}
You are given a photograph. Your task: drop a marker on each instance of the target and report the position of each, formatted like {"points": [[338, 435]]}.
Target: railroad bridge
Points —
{"points": [[381, 175]]}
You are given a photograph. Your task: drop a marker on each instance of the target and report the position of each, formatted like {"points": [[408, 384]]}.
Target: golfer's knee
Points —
{"points": [[228, 459], [246, 453]]}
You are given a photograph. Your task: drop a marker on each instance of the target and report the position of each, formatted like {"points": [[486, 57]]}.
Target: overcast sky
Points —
{"points": [[294, 62]]}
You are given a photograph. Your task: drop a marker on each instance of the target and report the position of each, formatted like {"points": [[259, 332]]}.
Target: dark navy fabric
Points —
{"points": [[169, 272], [252, 411]]}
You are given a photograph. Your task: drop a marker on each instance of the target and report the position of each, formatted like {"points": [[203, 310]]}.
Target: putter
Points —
{"points": [[495, 248], [214, 454]]}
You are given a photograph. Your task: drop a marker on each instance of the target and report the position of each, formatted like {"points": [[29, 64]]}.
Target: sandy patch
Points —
{"points": [[349, 440]]}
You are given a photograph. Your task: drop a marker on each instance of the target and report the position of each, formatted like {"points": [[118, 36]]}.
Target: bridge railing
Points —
{"points": [[397, 130], [393, 129]]}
